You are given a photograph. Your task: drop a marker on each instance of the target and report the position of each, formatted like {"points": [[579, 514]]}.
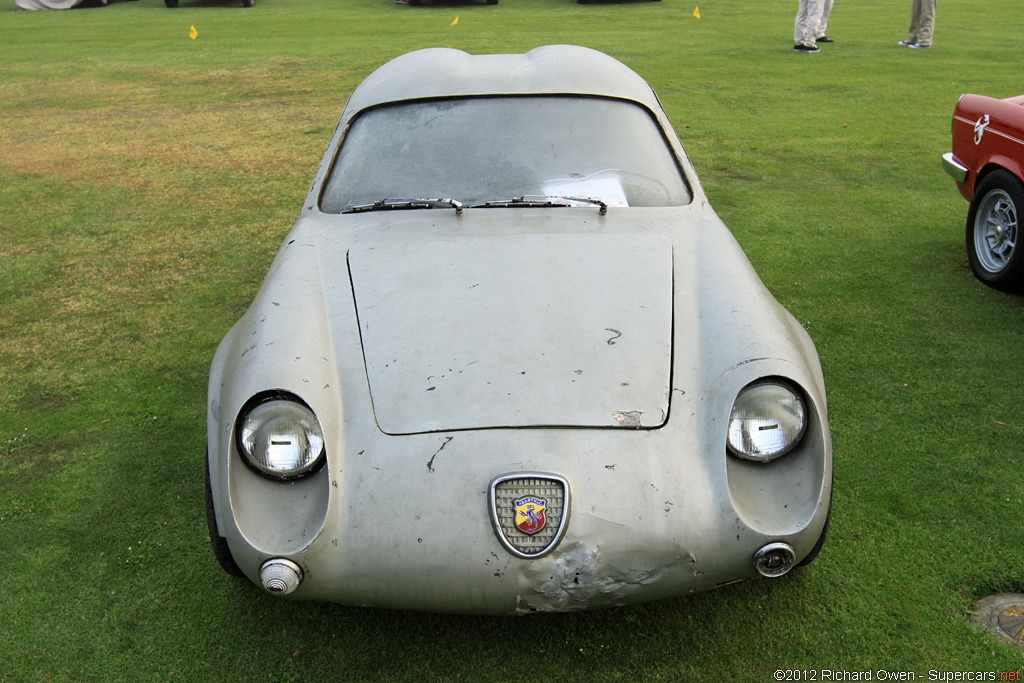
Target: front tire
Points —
{"points": [[993, 231], [219, 543]]}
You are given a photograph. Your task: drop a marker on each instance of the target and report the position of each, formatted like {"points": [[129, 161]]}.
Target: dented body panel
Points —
{"points": [[441, 350]]}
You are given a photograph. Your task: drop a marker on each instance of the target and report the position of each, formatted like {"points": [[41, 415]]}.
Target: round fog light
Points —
{"points": [[773, 560], [280, 576]]}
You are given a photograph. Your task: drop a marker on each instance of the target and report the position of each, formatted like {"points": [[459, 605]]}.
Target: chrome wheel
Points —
{"points": [[993, 228], [995, 231]]}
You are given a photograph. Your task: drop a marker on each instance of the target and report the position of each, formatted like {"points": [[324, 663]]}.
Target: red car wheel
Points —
{"points": [[993, 231]]}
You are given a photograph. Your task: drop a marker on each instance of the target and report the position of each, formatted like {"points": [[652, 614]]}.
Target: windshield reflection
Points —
{"points": [[494, 149]]}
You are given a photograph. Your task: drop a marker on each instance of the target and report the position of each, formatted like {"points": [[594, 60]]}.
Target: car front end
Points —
{"points": [[548, 389]]}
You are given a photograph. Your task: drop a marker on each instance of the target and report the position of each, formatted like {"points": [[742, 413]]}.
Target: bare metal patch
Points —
{"points": [[629, 418]]}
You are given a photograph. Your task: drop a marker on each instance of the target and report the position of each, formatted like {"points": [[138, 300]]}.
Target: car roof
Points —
{"points": [[552, 69]]}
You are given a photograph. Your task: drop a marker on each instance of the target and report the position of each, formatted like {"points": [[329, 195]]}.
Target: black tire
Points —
{"points": [[994, 231], [821, 539], [219, 543], [171, 3]]}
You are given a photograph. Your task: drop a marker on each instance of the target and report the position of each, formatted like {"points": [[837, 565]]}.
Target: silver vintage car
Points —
{"points": [[509, 360]]}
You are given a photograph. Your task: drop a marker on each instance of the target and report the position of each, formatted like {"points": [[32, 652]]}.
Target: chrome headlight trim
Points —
{"points": [[279, 436], [768, 420]]}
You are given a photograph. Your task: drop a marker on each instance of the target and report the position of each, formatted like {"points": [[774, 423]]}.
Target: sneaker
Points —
{"points": [[803, 47], [915, 46], [905, 43], [825, 39]]}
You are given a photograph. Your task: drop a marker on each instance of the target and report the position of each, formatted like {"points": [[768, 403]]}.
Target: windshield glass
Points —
{"points": [[492, 149]]}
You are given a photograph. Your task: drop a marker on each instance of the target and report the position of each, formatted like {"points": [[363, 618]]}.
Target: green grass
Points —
{"points": [[146, 180]]}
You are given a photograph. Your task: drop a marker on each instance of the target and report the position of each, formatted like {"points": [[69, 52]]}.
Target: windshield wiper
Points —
{"points": [[543, 200], [397, 204]]}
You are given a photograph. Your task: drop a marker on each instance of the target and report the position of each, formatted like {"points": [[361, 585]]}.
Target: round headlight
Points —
{"points": [[281, 438], [768, 420]]}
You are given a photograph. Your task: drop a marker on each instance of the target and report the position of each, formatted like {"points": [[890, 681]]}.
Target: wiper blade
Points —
{"points": [[397, 204], [543, 200]]}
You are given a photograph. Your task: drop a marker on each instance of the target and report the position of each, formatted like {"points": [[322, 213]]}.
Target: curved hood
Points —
{"points": [[516, 331]]}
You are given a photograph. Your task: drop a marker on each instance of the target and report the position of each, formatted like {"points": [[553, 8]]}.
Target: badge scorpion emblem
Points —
{"points": [[530, 514], [529, 511], [979, 128]]}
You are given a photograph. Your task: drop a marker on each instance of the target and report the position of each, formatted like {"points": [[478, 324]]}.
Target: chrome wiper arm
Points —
{"points": [[396, 204], [543, 200], [591, 200]]}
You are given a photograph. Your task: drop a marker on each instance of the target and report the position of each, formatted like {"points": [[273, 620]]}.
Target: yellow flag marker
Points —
{"points": [[696, 12], [192, 32], [456, 20]]}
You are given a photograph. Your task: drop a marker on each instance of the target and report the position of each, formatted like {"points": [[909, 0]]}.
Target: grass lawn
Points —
{"points": [[147, 179]]}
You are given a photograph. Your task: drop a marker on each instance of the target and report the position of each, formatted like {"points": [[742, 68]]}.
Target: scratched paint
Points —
{"points": [[629, 418], [430, 463]]}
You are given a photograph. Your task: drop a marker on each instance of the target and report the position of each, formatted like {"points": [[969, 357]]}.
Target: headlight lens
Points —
{"points": [[280, 437], [768, 420]]}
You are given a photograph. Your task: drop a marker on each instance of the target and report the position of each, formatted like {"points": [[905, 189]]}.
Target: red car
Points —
{"points": [[987, 163]]}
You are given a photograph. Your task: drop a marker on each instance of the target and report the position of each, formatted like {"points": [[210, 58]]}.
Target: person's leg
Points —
{"points": [[915, 21], [800, 26], [826, 10], [926, 23], [807, 19]]}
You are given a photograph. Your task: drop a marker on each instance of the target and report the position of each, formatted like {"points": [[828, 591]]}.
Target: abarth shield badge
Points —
{"points": [[529, 512]]}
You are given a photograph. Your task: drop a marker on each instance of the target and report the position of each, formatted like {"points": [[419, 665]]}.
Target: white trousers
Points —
{"points": [[808, 16], [826, 10]]}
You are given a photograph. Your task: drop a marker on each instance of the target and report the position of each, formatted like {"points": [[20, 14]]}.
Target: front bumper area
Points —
{"points": [[409, 528], [953, 168]]}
